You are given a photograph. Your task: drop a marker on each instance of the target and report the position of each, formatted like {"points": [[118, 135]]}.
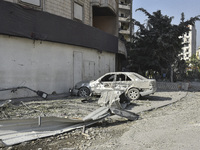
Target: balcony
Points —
{"points": [[128, 39], [124, 19], [125, 31], [127, 7], [106, 3]]}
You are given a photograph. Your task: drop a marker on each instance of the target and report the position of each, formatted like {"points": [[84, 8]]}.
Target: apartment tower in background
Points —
{"points": [[125, 16], [189, 40]]}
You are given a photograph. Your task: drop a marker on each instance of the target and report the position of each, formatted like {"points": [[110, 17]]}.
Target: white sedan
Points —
{"points": [[132, 84]]}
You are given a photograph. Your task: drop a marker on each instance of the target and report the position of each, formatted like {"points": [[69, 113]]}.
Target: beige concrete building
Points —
{"points": [[50, 45], [98, 13], [189, 40], [125, 16]]}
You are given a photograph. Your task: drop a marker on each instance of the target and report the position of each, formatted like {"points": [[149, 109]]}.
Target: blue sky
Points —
{"points": [[170, 8]]}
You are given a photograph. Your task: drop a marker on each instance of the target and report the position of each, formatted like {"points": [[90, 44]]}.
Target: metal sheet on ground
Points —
{"points": [[123, 113], [20, 130]]}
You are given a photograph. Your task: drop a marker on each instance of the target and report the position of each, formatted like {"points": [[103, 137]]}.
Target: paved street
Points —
{"points": [[174, 127], [168, 120]]}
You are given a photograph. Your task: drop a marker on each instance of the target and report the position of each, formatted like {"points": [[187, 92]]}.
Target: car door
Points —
{"points": [[122, 82], [105, 83]]}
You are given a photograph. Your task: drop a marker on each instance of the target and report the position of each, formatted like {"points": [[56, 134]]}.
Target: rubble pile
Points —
{"points": [[107, 131], [70, 107]]}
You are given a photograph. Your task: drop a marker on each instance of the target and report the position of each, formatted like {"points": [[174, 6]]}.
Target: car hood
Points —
{"points": [[82, 83]]}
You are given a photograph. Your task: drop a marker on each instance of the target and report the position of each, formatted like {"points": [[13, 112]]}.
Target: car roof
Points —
{"points": [[129, 74], [121, 73]]}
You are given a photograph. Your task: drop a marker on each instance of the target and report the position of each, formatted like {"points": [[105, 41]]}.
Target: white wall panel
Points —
{"points": [[46, 66]]}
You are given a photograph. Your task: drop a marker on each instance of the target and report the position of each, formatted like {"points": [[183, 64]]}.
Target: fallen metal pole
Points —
{"points": [[3, 103], [14, 89]]}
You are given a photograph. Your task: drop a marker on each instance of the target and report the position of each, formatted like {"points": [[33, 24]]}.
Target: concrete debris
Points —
{"points": [[112, 102], [116, 103], [20, 130], [110, 99]]}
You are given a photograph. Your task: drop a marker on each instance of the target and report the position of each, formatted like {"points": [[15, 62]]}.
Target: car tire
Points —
{"points": [[84, 91], [133, 94]]}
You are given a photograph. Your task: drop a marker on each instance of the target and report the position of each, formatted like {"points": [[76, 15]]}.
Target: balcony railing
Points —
{"points": [[127, 7], [125, 31], [106, 3], [124, 19]]}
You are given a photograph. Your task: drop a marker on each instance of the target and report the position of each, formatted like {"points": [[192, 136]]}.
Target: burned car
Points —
{"points": [[132, 84]]}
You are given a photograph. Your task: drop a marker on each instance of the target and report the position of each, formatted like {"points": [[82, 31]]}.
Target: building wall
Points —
{"points": [[63, 8], [47, 66]]}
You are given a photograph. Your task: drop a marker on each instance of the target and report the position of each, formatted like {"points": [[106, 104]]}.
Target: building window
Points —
{"points": [[186, 44], [122, 15], [78, 11], [187, 50], [182, 56], [31, 2]]}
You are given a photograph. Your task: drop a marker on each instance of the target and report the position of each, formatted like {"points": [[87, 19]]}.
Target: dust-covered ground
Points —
{"points": [[168, 120]]}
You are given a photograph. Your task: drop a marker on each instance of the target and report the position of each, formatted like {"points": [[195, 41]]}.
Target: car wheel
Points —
{"points": [[133, 94], [84, 91]]}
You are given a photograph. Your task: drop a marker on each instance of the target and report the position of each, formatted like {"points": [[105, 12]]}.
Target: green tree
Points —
{"points": [[193, 67], [158, 43]]}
